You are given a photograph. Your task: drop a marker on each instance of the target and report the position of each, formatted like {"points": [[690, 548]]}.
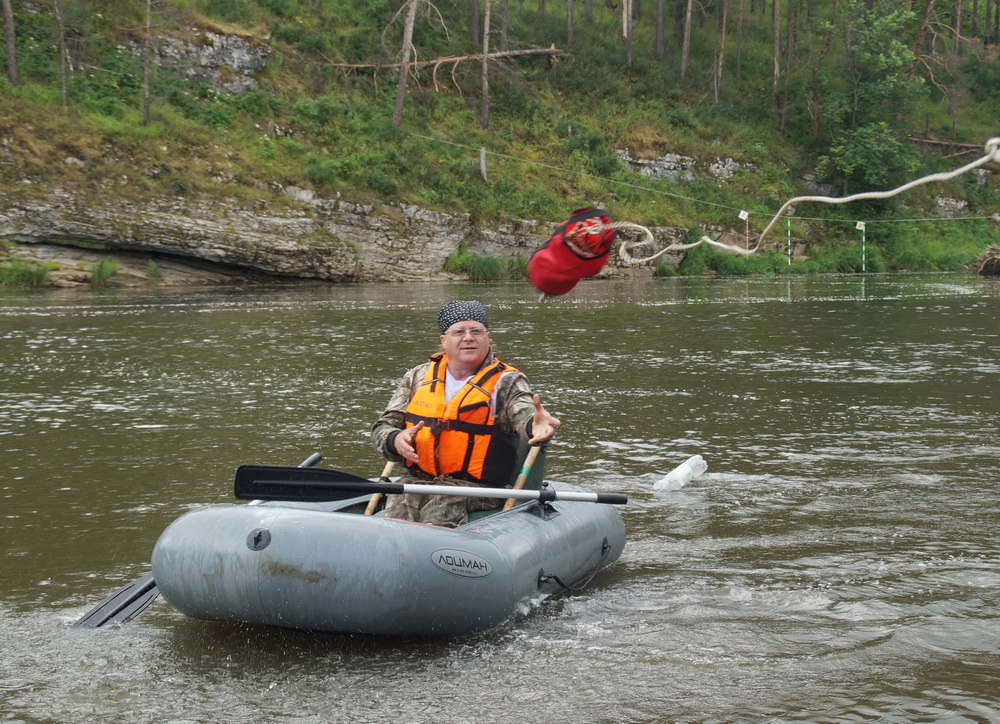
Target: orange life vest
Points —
{"points": [[460, 439]]}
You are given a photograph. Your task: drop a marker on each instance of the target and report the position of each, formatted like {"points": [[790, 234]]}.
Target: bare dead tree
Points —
{"points": [[450, 59], [776, 21], [921, 42], [627, 32], [569, 22], [686, 43], [404, 68], [484, 107]]}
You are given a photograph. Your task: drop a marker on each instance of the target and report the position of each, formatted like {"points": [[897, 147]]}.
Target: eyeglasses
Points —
{"points": [[476, 332]]}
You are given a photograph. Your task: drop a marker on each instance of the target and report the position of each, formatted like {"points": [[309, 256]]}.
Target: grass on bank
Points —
{"points": [[22, 274], [479, 268], [31, 274]]}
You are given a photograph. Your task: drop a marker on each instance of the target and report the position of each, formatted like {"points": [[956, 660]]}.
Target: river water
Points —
{"points": [[839, 560]]}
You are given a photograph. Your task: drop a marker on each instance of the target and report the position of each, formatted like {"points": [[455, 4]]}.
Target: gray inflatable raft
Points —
{"points": [[327, 567]]}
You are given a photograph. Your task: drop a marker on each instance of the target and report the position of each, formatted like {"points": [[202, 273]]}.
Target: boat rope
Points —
{"points": [[544, 577], [626, 248]]}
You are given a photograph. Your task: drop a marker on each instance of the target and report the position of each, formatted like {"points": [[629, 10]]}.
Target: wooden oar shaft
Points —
{"points": [[529, 461], [373, 503]]}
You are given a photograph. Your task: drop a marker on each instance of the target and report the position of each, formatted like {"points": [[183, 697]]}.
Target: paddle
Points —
{"points": [[384, 477], [522, 478], [134, 597], [275, 482]]}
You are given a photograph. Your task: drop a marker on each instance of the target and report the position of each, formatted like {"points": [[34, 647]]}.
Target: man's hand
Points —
{"points": [[543, 425], [404, 442]]}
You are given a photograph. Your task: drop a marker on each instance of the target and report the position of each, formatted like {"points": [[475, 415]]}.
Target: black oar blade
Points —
{"points": [[277, 482], [123, 605]]}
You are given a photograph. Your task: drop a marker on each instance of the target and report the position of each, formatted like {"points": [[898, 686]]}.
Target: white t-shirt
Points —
{"points": [[453, 384]]}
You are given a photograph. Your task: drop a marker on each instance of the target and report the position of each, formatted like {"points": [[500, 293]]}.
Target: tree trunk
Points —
{"points": [[8, 17], [404, 68], [721, 59], [739, 48], [569, 22], [627, 4], [686, 44], [776, 21], [996, 20], [474, 23], [958, 28], [61, 47], [789, 51], [918, 46], [661, 46], [504, 25], [147, 61], [484, 107]]}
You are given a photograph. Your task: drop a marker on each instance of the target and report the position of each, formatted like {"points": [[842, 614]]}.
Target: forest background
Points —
{"points": [[509, 109]]}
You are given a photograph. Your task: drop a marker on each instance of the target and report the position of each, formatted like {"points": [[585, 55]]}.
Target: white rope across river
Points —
{"points": [[645, 236]]}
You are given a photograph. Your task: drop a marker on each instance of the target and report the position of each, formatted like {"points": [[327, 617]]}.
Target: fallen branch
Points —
{"points": [[967, 147], [452, 59], [951, 144]]}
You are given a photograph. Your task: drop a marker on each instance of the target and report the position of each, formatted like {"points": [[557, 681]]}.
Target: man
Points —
{"points": [[455, 420]]}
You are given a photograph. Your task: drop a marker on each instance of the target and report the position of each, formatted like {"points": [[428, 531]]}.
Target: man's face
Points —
{"points": [[466, 342]]}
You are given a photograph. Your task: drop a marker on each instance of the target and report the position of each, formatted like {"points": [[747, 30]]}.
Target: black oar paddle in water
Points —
{"points": [[133, 598], [275, 482], [123, 605]]}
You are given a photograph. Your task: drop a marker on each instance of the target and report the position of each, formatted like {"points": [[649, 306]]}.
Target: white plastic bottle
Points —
{"points": [[682, 474]]}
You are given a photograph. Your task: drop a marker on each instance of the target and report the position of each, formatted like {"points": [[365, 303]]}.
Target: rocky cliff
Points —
{"points": [[309, 238]]}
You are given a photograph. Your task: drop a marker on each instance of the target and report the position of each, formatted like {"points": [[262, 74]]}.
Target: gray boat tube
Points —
{"points": [[315, 566]]}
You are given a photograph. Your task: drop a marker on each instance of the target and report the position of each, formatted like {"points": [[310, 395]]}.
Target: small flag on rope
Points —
{"points": [[578, 248]]}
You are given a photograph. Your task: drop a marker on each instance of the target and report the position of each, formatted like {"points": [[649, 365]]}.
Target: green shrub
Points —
{"points": [[380, 182], [22, 274], [984, 78], [663, 267], [517, 267], [258, 104], [100, 274], [485, 268], [324, 173], [458, 262], [233, 11], [607, 165], [488, 269], [182, 184]]}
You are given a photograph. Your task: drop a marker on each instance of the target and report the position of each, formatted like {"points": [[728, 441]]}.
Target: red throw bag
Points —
{"points": [[579, 248]]}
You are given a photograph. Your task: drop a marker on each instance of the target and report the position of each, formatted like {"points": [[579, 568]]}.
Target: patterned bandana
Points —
{"points": [[461, 311]]}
